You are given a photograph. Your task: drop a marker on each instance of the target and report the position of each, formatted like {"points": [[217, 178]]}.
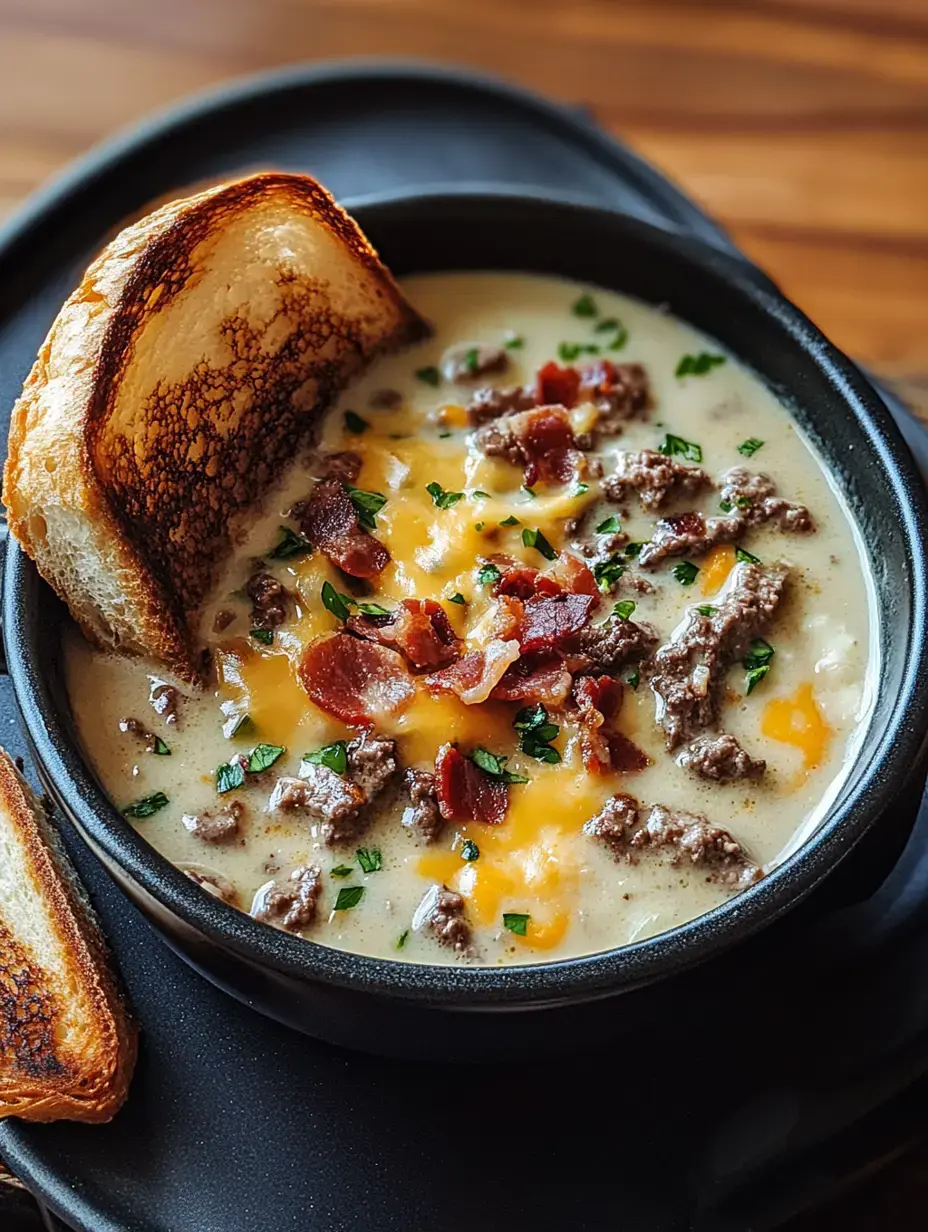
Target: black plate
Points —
{"points": [[236, 1123]]}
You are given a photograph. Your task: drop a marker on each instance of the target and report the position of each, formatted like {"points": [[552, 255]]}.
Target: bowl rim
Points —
{"points": [[127, 854]]}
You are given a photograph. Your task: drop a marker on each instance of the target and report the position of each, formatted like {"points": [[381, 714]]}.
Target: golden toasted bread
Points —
{"points": [[67, 1039], [177, 381]]}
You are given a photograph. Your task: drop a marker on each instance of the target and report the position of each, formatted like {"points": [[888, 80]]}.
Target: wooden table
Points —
{"points": [[801, 124]]}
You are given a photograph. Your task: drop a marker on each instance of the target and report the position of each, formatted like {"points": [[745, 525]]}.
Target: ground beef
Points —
{"points": [[164, 699], [488, 403], [422, 816], [687, 674], [614, 643], [212, 883], [466, 361], [338, 802], [655, 478], [624, 395], [754, 498], [721, 759], [139, 730], [690, 837], [689, 534], [221, 621], [345, 466], [220, 826], [442, 912], [270, 600], [290, 904]]}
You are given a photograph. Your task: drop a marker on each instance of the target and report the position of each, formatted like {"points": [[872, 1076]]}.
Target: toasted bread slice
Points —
{"points": [[67, 1040], [186, 370]]}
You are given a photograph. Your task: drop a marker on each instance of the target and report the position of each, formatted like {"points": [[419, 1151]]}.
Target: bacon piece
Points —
{"points": [[598, 700], [557, 386], [541, 441], [474, 677], [420, 630], [356, 681], [506, 618], [515, 579], [549, 621], [465, 792], [567, 573], [624, 754], [535, 678], [329, 521]]}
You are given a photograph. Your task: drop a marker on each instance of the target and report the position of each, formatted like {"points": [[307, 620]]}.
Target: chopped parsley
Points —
{"points": [[373, 609], [354, 423], [516, 922], [581, 489], [239, 725], [514, 343], [606, 325], [472, 361], [337, 603], [160, 749], [536, 732], [264, 636], [479, 494], [619, 341], [676, 445], [229, 775], [430, 376], [585, 306], [402, 939], [470, 851], [495, 766], [743, 502], [480, 526], [611, 526], [634, 680], [745, 558], [457, 597], [333, 756], [624, 609], [442, 499], [569, 351], [698, 365], [146, 806], [685, 572], [633, 549], [370, 859], [607, 573], [348, 897], [366, 505], [487, 575], [289, 545], [530, 492], [750, 447], [512, 520], [341, 870], [443, 436], [535, 539], [757, 663], [263, 756], [706, 609]]}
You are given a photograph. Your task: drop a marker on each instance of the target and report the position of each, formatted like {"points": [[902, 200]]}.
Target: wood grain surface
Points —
{"points": [[801, 124]]}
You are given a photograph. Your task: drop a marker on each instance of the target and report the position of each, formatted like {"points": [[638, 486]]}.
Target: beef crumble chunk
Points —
{"points": [[690, 837], [489, 403], [269, 598], [468, 360], [620, 392], [217, 827], [655, 478], [422, 816], [615, 643], [689, 534], [687, 673], [721, 759], [223, 618], [291, 903], [754, 498], [337, 801], [442, 912]]}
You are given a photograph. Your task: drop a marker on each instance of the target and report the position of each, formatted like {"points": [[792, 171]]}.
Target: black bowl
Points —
{"points": [[402, 1008]]}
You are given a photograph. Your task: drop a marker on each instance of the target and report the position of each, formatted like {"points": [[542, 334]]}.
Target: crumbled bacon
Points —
{"points": [[567, 573], [541, 441], [624, 755], [506, 618], [557, 386], [419, 629], [330, 522], [548, 621], [474, 677], [598, 699], [356, 681], [465, 792], [535, 678], [515, 579]]}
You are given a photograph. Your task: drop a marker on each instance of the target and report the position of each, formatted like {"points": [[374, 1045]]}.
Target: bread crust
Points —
{"points": [[129, 524], [68, 1041]]}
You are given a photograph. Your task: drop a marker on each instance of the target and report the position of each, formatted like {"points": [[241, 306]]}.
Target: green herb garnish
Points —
{"points": [[698, 365], [512, 520], [495, 766], [536, 732], [335, 602], [605, 325], [441, 498], [229, 776], [472, 361], [333, 756], [264, 636], [348, 897], [585, 306], [535, 539], [479, 526], [580, 489], [676, 445], [146, 806], [341, 870], [706, 609], [745, 558], [529, 492], [619, 341], [607, 573], [430, 375], [624, 609], [160, 749], [516, 922], [685, 572], [754, 677], [354, 423], [611, 526], [514, 343], [750, 447], [370, 859], [402, 939], [633, 549], [289, 545], [373, 609], [263, 756], [569, 351], [634, 680], [469, 850], [479, 494], [457, 597], [487, 575], [366, 505]]}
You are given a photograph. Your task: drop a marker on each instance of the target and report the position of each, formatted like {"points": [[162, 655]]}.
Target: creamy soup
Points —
{"points": [[636, 689]]}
